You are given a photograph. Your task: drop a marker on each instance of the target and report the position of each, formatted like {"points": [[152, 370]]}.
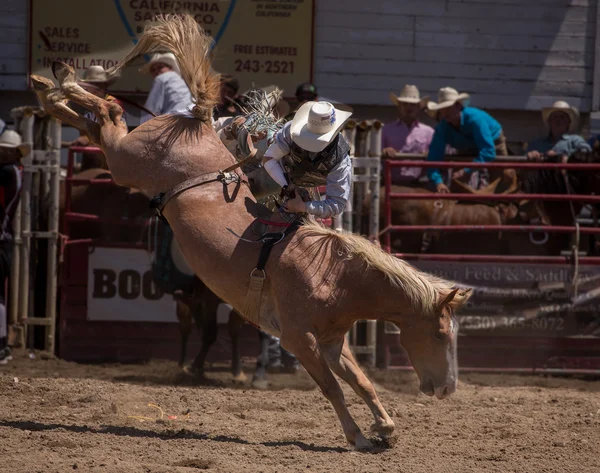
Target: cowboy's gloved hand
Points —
{"points": [[441, 188], [458, 174], [295, 205], [231, 130], [261, 135], [534, 156], [288, 192], [388, 153]]}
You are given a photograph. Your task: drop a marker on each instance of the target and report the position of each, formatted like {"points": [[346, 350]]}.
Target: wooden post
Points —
{"points": [[27, 133], [55, 132], [595, 112]]}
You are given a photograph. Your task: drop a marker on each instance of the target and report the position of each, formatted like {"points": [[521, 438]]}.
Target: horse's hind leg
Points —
{"points": [[304, 345], [107, 113], [259, 380], [342, 362], [52, 100], [234, 326]]}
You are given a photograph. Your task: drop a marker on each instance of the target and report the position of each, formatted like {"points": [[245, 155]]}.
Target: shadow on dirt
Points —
{"points": [[168, 434]]}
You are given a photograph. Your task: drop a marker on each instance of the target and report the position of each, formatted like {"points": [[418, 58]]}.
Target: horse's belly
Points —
{"points": [[269, 318]]}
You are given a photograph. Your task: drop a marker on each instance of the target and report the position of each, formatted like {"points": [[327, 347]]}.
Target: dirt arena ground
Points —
{"points": [[58, 417]]}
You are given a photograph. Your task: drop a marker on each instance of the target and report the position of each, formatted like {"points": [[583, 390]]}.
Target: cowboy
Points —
{"points": [[469, 130], [12, 150], [406, 134], [96, 81], [169, 92], [228, 105], [561, 121], [309, 151]]}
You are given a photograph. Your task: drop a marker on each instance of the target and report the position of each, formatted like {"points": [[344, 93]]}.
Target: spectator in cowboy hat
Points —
{"points": [[169, 92], [96, 81], [406, 134], [467, 129], [229, 104], [562, 122], [11, 150]]}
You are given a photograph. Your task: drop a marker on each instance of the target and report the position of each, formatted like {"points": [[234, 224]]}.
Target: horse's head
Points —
{"points": [[431, 345]]}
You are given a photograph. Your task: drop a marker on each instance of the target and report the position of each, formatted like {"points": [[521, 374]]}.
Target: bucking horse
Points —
{"points": [[317, 282]]}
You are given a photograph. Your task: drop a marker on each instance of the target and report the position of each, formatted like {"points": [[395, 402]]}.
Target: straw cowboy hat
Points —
{"points": [[316, 124], [409, 94], [447, 96], [165, 58], [562, 106], [12, 140], [97, 75]]}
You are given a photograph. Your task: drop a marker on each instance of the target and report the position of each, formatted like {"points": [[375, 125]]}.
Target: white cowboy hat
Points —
{"points": [[165, 58], [409, 94], [11, 139], [562, 106], [97, 75], [316, 124], [447, 96]]}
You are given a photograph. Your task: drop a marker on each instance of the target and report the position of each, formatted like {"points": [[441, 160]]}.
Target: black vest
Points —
{"points": [[307, 169]]}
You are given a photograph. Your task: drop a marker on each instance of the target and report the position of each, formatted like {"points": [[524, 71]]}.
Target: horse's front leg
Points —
{"points": [[342, 362], [303, 344]]}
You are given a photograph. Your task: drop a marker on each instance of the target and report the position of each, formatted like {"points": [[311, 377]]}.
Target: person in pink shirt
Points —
{"points": [[406, 134]]}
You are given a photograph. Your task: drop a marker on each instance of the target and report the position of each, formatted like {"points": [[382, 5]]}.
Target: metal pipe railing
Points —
{"points": [[494, 165], [497, 197], [493, 228], [496, 258], [389, 195]]}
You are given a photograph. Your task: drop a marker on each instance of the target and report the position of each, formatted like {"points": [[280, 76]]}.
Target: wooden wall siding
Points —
{"points": [[14, 41], [363, 50], [371, 48]]}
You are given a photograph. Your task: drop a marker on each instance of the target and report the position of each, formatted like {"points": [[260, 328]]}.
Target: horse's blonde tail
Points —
{"points": [[181, 35]]}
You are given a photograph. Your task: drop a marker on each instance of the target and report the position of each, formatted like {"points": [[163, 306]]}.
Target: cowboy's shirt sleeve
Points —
{"points": [[337, 191], [154, 102], [483, 138], [436, 152]]}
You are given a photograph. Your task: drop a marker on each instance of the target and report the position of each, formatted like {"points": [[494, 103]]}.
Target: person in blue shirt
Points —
{"points": [[561, 121], [467, 129]]}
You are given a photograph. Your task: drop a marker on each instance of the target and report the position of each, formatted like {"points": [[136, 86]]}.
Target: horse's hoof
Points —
{"points": [[240, 378], [261, 384], [63, 72], [40, 83], [383, 429], [190, 371], [362, 444]]}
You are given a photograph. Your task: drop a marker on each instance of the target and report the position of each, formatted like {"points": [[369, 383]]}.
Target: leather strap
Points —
{"points": [[160, 201]]}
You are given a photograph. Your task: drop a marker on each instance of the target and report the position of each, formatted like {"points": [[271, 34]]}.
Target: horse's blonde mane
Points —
{"points": [[424, 291], [181, 35]]}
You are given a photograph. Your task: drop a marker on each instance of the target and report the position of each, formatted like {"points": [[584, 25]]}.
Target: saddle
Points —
{"points": [[273, 229]]}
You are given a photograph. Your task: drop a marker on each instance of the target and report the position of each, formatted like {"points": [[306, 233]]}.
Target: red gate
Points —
{"points": [[511, 338], [110, 329]]}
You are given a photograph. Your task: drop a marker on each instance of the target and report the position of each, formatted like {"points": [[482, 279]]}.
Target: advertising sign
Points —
{"points": [[260, 42]]}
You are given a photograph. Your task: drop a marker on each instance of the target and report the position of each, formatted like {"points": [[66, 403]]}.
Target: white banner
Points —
{"points": [[121, 288]]}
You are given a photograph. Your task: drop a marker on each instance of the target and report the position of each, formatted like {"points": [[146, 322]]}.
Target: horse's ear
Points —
{"points": [[447, 300]]}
